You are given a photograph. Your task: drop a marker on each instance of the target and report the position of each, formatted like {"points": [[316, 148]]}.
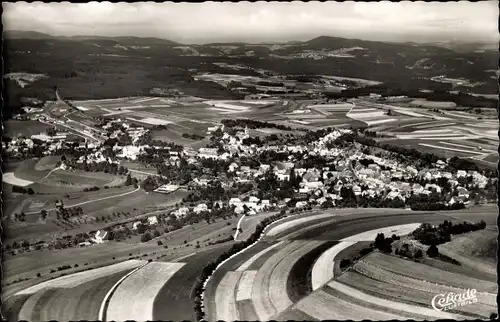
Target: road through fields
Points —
{"points": [[89, 201]]}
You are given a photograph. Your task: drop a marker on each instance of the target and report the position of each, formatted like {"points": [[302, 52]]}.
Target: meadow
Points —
{"points": [[14, 128]]}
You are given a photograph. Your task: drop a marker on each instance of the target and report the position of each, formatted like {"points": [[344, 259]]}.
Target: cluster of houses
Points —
{"points": [[381, 178]]}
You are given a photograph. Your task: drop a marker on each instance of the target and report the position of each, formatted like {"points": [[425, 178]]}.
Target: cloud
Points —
{"points": [[260, 21]]}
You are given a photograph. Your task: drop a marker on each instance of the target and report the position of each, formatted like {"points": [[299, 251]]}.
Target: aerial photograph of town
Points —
{"points": [[250, 161]]}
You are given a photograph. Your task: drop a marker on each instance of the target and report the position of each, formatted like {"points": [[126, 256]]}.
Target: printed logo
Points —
{"points": [[451, 300]]}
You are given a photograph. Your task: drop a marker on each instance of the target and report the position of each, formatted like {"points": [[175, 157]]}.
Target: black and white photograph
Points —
{"points": [[250, 161]]}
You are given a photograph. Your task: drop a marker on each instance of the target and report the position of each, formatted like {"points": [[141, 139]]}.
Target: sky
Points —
{"points": [[208, 22]]}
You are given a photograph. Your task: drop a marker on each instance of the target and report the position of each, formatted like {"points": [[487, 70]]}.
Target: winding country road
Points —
{"points": [[89, 201]]}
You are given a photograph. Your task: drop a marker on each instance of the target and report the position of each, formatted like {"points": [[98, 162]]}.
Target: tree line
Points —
{"points": [[254, 124], [428, 234]]}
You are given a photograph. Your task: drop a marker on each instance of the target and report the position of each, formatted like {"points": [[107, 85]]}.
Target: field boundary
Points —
{"points": [[107, 298]]}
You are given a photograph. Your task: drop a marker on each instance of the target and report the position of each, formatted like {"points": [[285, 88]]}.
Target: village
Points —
{"points": [[343, 176]]}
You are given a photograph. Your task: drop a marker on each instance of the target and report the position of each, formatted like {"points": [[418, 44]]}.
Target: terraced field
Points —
{"points": [[273, 279], [174, 299], [75, 296], [271, 284], [134, 298]]}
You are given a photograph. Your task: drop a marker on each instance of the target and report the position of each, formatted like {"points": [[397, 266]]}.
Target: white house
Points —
{"points": [[300, 204], [181, 212], [239, 209], [136, 225], [200, 208], [440, 164], [235, 202], [433, 186], [265, 202], [283, 177], [152, 220], [314, 184], [99, 236], [232, 167], [253, 199], [167, 188]]}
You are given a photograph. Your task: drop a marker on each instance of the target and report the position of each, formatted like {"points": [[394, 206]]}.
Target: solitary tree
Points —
{"points": [[146, 237], [43, 214]]}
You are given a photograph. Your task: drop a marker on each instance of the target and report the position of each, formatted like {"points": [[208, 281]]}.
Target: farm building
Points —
{"points": [[100, 235], [167, 188], [84, 244]]}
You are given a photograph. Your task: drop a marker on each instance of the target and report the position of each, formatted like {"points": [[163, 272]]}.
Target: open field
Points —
{"points": [[262, 254], [225, 297], [296, 222], [390, 290], [477, 250], [432, 104], [29, 264], [230, 265], [402, 267], [14, 128], [134, 297], [378, 289], [47, 163], [277, 285], [348, 226], [262, 292], [177, 294], [172, 112], [299, 283], [387, 305], [429, 131], [200, 232], [323, 306], [34, 203], [323, 269], [80, 179], [386, 276], [172, 134], [26, 171], [72, 296], [76, 279], [129, 201], [280, 277], [174, 300], [11, 179]]}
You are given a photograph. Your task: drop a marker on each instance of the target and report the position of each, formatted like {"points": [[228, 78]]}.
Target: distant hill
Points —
{"points": [[126, 41], [18, 34], [121, 40], [96, 66]]}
